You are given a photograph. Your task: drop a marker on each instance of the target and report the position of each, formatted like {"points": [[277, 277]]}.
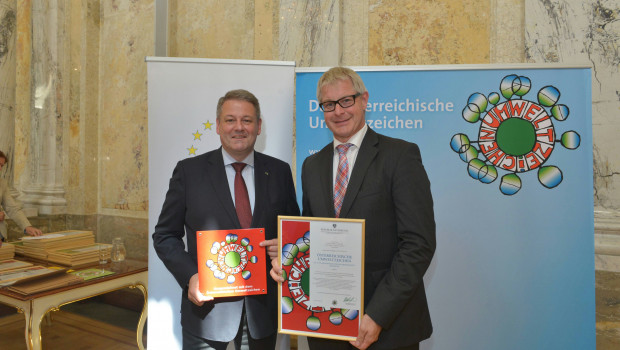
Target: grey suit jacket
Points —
{"points": [[199, 198], [388, 188]]}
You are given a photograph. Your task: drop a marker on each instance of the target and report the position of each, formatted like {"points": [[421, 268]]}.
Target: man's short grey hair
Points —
{"points": [[239, 95], [340, 73]]}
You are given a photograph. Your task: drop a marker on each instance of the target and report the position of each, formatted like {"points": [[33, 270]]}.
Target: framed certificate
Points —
{"points": [[326, 301]]}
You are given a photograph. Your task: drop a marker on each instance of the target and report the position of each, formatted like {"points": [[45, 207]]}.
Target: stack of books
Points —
{"points": [[11, 264], [18, 246], [40, 247], [81, 255], [7, 251]]}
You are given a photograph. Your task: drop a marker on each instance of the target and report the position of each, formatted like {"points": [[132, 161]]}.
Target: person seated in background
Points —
{"points": [[12, 208]]}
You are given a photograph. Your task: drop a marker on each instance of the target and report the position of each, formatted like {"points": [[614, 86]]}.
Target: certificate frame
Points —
{"points": [[295, 315]]}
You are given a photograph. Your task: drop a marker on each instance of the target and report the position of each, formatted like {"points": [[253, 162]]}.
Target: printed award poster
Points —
{"points": [[231, 263], [324, 301]]}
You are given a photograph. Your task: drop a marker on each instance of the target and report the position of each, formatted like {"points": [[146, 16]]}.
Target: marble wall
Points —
{"points": [[126, 31], [588, 32], [437, 32], [79, 129], [8, 30], [92, 152]]}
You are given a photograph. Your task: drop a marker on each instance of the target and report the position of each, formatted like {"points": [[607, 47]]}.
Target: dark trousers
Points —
{"points": [[330, 344], [243, 340]]}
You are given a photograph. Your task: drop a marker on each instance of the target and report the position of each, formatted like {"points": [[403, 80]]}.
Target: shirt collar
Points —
{"points": [[228, 159], [356, 139]]}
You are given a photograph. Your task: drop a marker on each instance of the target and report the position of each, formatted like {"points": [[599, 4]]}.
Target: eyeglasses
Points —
{"points": [[345, 102]]}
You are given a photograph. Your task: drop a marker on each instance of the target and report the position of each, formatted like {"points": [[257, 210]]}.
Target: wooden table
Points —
{"points": [[129, 274]]}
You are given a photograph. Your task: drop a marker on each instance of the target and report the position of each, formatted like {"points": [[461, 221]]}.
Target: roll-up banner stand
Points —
{"points": [[182, 100], [508, 150]]}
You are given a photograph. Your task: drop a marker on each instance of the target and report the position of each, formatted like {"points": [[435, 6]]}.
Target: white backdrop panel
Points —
{"points": [[182, 99]]}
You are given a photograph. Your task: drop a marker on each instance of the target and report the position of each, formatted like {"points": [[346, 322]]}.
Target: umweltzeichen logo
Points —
{"points": [[296, 270], [515, 136]]}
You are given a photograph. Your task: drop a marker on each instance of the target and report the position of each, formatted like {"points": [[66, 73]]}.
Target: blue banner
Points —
{"points": [[509, 155]]}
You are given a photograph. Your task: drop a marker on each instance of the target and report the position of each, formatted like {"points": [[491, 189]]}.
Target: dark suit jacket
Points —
{"points": [[388, 188], [199, 199]]}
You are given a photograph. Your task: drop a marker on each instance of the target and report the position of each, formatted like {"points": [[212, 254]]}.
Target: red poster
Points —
{"points": [[297, 316], [231, 263]]}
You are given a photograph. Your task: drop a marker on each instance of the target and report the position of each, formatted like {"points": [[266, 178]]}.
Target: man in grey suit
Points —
{"points": [[365, 175], [202, 196]]}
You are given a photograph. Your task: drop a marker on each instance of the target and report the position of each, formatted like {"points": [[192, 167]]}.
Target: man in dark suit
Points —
{"points": [[202, 196], [365, 175]]}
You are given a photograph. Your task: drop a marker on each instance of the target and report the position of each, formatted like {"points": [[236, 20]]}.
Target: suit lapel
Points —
{"points": [[216, 175], [326, 181], [261, 196], [365, 156]]}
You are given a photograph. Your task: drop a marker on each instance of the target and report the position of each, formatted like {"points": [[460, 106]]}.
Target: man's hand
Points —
{"points": [[1, 216], [272, 249], [271, 246], [276, 270], [368, 333], [193, 294], [33, 231]]}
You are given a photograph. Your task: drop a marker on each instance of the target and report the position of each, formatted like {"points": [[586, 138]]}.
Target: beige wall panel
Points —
{"points": [[507, 37], [89, 104], [128, 29], [82, 175], [309, 32], [265, 29], [22, 93], [354, 29], [211, 28], [74, 177], [428, 32]]}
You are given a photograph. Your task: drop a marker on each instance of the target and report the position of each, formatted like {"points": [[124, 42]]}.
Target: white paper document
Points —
{"points": [[47, 236], [336, 264]]}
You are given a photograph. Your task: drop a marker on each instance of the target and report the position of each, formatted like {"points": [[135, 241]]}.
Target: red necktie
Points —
{"points": [[242, 200], [342, 176]]}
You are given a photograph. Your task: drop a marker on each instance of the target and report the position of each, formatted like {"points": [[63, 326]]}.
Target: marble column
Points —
{"points": [[43, 187]]}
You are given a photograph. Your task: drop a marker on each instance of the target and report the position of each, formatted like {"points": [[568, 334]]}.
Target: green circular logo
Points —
{"points": [[233, 259], [516, 137], [305, 281]]}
